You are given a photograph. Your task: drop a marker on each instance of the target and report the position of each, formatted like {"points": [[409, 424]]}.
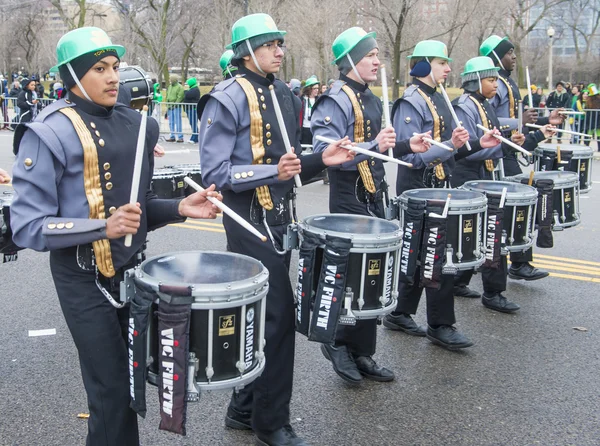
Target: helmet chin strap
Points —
{"points": [[76, 79], [354, 69], [431, 73], [480, 87], [254, 58], [499, 61]]}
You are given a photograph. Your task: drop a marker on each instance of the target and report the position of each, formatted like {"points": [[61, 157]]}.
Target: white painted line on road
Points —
{"points": [[584, 197], [596, 182], [47, 332]]}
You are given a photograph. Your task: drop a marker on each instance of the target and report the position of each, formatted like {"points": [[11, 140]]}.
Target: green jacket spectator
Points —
{"points": [[175, 92]]}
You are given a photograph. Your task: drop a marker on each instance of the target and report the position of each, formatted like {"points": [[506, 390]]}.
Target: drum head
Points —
{"points": [[559, 177], [187, 168], [495, 188], [167, 173], [209, 273], [460, 199], [579, 150]]}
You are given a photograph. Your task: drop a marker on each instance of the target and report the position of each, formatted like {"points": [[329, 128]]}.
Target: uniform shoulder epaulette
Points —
{"points": [[410, 91], [54, 107], [221, 86]]}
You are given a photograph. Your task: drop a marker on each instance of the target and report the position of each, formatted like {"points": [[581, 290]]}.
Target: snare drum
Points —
{"points": [[193, 171], [227, 327], [168, 183], [137, 83], [373, 265], [466, 217], [565, 197], [580, 163], [519, 210]]}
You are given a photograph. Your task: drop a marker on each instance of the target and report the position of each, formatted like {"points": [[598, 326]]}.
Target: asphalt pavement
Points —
{"points": [[530, 379]]}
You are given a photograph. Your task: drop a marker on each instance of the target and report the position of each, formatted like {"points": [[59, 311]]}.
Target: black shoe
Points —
{"points": [[180, 140], [343, 362], [448, 337], [499, 303], [465, 291], [526, 272], [284, 436], [369, 369], [403, 322], [170, 140], [238, 420]]}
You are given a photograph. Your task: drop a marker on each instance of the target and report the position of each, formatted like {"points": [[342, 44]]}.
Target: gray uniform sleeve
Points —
{"points": [[469, 123], [404, 130], [34, 212], [218, 139], [328, 120]]}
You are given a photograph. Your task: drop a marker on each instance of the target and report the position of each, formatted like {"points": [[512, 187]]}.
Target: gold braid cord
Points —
{"points": [[256, 139], [437, 132], [93, 189], [359, 136], [489, 164]]}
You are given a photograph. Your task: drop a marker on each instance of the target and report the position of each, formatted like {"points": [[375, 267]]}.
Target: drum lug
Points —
{"points": [[193, 392], [241, 366], [556, 226], [392, 211], [127, 286], [291, 241], [346, 315], [449, 267]]}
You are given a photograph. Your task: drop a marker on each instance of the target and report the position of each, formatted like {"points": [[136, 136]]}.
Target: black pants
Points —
{"points": [[268, 397], [100, 334], [360, 339], [521, 257], [307, 136], [494, 279], [440, 303]]}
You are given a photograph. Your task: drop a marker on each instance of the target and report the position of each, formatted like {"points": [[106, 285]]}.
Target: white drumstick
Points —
{"points": [[452, 112], [137, 166], [364, 151], [283, 130], [570, 112], [529, 87], [445, 211], [504, 140], [503, 197], [433, 142], [226, 209], [386, 108], [535, 126]]}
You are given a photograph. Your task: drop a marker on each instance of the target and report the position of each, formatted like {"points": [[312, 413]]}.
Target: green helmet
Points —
{"points": [[490, 44], [311, 81], [345, 42], [431, 48], [251, 26], [225, 61], [83, 41], [592, 90], [479, 67]]}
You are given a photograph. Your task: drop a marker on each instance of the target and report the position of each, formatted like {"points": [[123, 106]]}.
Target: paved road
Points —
{"points": [[531, 378]]}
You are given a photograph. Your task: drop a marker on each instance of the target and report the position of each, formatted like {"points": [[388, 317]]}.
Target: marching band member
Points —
{"points": [[72, 178], [227, 70], [505, 104], [422, 108], [349, 109], [242, 151]]}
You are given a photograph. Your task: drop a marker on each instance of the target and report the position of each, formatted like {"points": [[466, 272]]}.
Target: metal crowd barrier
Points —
{"points": [[588, 123]]}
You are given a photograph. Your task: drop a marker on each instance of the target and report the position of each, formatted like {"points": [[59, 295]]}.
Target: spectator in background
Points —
{"points": [[295, 86], [559, 98], [592, 117], [14, 93], [175, 96], [538, 97], [27, 101], [191, 98], [309, 96], [39, 88], [577, 105]]}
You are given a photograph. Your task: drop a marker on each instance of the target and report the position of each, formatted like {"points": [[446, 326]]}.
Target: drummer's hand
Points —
{"points": [[460, 136], [159, 151], [386, 139], [288, 166], [334, 155], [126, 220], [4, 177], [556, 118], [418, 144], [518, 138], [488, 140], [548, 130], [530, 115], [198, 206]]}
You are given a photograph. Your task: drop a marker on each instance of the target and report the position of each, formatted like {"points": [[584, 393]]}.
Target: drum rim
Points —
{"points": [[564, 183], [575, 148], [471, 204], [531, 192], [357, 239], [216, 295]]}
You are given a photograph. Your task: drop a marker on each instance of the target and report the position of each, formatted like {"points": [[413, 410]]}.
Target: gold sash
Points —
{"points": [[437, 132], [256, 138], [359, 136], [93, 189], [489, 164]]}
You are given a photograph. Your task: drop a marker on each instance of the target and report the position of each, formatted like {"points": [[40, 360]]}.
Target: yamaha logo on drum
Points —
{"points": [[249, 347], [226, 325]]}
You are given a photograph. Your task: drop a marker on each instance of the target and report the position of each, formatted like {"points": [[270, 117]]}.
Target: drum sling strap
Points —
{"points": [[433, 247], [558, 160], [494, 230], [485, 121], [306, 269], [412, 232], [544, 212], [440, 173], [93, 189], [330, 291], [256, 138], [359, 136]]}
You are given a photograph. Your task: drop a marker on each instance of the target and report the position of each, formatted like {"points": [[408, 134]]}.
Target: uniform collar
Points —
{"points": [[88, 107], [481, 98], [423, 86], [353, 84], [504, 73], [256, 78]]}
